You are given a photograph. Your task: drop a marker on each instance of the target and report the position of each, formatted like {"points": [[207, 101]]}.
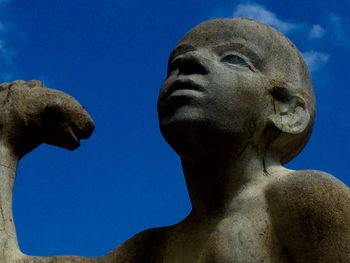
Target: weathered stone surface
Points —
{"points": [[236, 105], [30, 115]]}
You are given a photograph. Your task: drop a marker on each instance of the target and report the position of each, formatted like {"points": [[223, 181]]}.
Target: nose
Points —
{"points": [[188, 64], [78, 118], [84, 125]]}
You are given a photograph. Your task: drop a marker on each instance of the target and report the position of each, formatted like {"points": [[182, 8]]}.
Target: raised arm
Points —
{"points": [[31, 114]]}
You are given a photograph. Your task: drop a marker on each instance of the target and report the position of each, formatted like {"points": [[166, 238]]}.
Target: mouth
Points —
{"points": [[67, 139], [76, 134], [183, 88], [75, 140], [182, 92], [70, 136]]}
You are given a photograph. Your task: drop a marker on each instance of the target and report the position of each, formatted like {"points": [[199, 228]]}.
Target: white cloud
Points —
{"points": [[315, 59], [339, 29], [316, 31], [260, 13]]}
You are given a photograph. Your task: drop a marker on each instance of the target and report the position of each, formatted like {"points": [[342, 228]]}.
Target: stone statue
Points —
{"points": [[236, 105]]}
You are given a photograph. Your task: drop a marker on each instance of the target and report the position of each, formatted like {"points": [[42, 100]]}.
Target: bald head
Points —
{"points": [[277, 57], [278, 69]]}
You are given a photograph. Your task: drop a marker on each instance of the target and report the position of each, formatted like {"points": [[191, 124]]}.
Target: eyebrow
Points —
{"points": [[241, 48], [220, 49]]}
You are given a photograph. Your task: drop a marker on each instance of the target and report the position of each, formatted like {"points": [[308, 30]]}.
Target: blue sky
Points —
{"points": [[111, 56]]}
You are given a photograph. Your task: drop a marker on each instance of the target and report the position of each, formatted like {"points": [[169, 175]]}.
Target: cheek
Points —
{"points": [[238, 89], [163, 89], [238, 99], [162, 98]]}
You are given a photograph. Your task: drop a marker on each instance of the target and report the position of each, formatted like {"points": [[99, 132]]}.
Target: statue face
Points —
{"points": [[214, 86]]}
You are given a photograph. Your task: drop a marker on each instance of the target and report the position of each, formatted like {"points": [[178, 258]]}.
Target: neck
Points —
{"points": [[215, 180], [8, 166]]}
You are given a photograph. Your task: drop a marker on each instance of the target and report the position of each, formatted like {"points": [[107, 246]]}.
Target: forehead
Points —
{"points": [[277, 54], [225, 31]]}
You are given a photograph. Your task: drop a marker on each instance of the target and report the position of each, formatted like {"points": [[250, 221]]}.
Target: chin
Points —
{"points": [[187, 135], [199, 137]]}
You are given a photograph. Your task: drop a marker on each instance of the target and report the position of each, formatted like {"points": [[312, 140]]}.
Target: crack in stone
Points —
{"points": [[266, 173], [8, 167]]}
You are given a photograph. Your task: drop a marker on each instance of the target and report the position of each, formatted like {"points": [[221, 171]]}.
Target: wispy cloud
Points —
{"points": [[316, 31], [339, 29], [315, 59], [336, 24], [260, 13]]}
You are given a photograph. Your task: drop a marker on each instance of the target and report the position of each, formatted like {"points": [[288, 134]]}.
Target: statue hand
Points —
{"points": [[32, 114]]}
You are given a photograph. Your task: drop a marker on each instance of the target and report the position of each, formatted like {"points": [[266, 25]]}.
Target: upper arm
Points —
{"points": [[311, 216]]}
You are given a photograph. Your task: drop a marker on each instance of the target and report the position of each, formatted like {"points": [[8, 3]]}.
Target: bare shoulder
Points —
{"points": [[310, 211], [146, 246]]}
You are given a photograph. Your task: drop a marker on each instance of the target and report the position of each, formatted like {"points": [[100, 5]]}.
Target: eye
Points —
{"points": [[235, 59]]}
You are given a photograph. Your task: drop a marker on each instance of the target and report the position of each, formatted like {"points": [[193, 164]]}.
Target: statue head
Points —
{"points": [[233, 82]]}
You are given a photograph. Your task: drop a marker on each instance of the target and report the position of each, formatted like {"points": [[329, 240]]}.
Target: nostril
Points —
{"points": [[188, 66], [191, 66]]}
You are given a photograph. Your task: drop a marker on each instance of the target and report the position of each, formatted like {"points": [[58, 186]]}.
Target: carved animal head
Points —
{"points": [[31, 114]]}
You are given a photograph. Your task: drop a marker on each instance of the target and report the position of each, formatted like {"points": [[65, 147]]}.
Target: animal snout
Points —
{"points": [[83, 125]]}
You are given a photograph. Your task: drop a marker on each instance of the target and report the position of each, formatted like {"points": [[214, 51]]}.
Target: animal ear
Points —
{"points": [[290, 112]]}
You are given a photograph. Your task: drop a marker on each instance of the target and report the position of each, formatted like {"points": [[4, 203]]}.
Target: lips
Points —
{"points": [[183, 85]]}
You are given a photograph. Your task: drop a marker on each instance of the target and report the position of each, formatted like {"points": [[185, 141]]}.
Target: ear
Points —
{"points": [[290, 112]]}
